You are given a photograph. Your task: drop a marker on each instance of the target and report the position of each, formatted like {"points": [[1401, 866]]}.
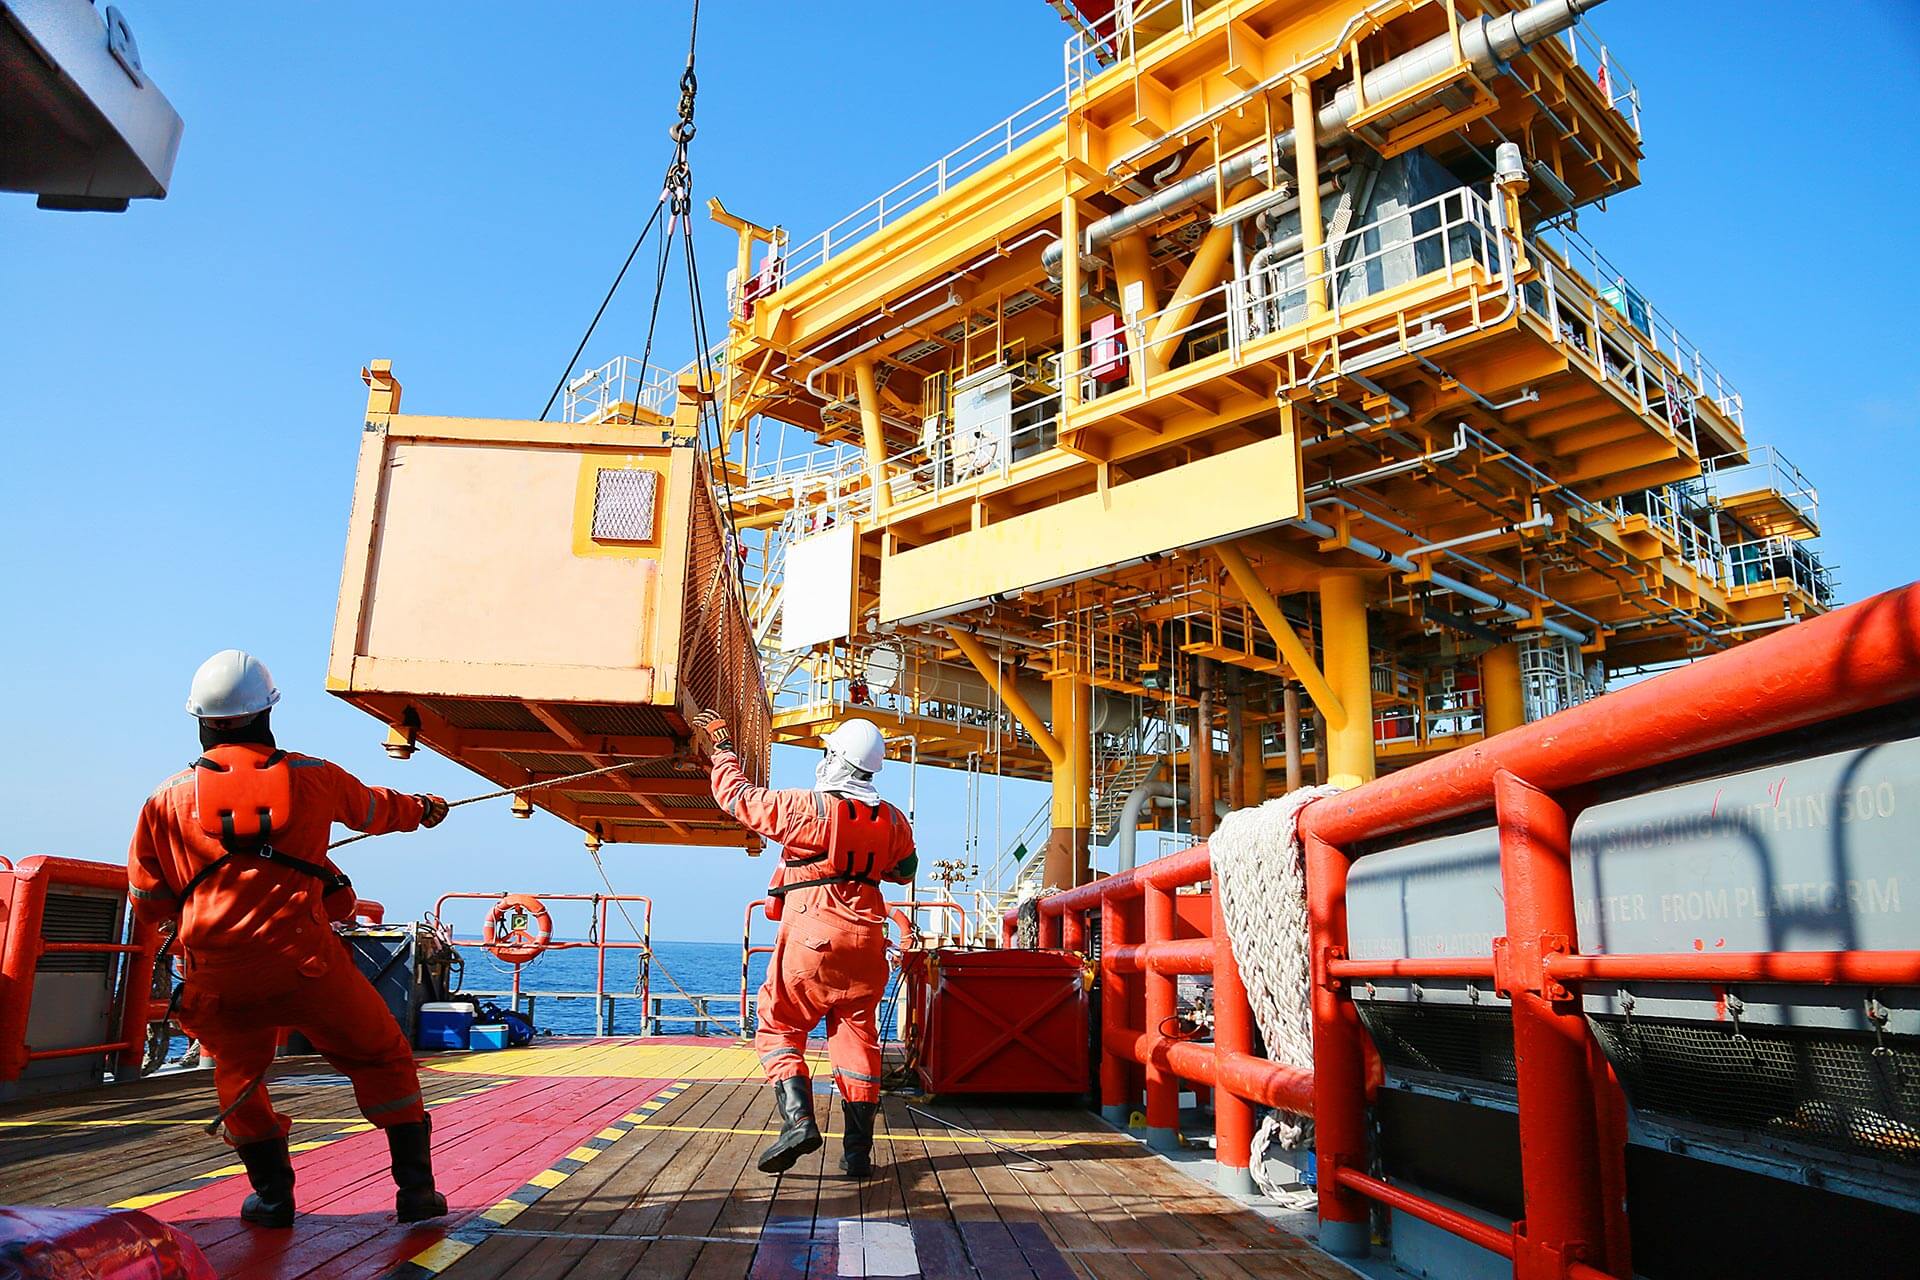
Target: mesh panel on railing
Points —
{"points": [[1829, 1088], [719, 667], [1444, 1039]]}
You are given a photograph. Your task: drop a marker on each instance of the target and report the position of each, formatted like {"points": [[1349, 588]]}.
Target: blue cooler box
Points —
{"points": [[446, 1024], [488, 1035]]}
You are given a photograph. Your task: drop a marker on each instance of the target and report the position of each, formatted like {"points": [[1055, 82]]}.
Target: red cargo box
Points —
{"points": [[1004, 1022]]}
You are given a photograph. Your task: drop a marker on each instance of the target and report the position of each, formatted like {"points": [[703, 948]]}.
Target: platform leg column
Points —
{"points": [[1117, 1099], [1349, 668], [1232, 1033], [1163, 1087], [1565, 1218], [1339, 1061], [1066, 853], [1502, 698]]}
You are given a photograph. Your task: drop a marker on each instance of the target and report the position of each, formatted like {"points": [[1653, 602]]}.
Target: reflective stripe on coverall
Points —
{"points": [[830, 958], [258, 952]]}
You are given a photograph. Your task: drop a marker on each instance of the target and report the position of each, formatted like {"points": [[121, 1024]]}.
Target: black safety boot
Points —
{"points": [[856, 1138], [798, 1133], [270, 1170], [416, 1200]]}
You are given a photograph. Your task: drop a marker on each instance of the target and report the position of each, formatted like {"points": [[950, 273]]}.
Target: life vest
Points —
{"points": [[861, 845], [242, 799]]}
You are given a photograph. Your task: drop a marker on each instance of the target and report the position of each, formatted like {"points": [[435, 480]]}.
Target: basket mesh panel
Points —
{"points": [[719, 665], [624, 502], [1444, 1039], [474, 713], [620, 721], [1828, 1088]]}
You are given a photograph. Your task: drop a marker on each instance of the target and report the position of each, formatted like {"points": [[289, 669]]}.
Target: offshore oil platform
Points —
{"points": [[1248, 439]]}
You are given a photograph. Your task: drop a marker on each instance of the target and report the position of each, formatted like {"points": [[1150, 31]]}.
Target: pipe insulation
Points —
{"points": [[1488, 43]]}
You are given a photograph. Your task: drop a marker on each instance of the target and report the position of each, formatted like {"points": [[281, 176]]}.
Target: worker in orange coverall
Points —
{"points": [[839, 841], [232, 853]]}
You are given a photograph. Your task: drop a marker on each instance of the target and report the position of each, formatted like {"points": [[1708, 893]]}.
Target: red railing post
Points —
{"points": [[1117, 1097], [1073, 931], [1559, 1134], [1232, 1033], [1163, 1087], [1049, 934], [1339, 1059]]}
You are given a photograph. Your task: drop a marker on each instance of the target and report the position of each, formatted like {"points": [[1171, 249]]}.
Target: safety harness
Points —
{"points": [[859, 850], [243, 799]]}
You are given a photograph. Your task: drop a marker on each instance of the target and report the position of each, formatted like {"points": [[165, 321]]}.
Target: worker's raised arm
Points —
{"points": [[783, 816], [378, 810], [154, 900]]}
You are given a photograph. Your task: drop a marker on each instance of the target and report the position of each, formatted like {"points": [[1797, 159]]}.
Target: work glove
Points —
{"points": [[433, 810], [710, 726]]}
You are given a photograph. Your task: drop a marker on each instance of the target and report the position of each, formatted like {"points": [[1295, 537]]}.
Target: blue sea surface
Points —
{"points": [[702, 968]]}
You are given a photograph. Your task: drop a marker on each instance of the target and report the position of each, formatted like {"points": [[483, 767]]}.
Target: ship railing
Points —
{"points": [[1767, 561], [1528, 784], [1600, 284], [1765, 468], [935, 180], [598, 940], [623, 380]]}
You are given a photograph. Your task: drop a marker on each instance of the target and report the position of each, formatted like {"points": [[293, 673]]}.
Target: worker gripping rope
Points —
{"points": [[839, 842], [232, 851]]}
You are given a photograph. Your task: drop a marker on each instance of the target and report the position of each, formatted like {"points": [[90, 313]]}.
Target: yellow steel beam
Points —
{"points": [[1306, 154], [1504, 705], [873, 436], [1070, 304], [1291, 646], [1343, 637], [1205, 273], [1009, 692]]}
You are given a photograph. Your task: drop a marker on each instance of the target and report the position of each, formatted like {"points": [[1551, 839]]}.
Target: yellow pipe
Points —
{"points": [[1070, 303], [1500, 692], [1009, 692], [874, 438], [1306, 156], [1343, 636], [1204, 273], [1291, 647]]}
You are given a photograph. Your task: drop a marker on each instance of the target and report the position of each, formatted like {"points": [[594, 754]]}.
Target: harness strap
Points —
{"points": [[330, 881], [846, 877]]}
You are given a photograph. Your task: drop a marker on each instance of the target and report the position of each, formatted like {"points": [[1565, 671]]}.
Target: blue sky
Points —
{"points": [[452, 186]]}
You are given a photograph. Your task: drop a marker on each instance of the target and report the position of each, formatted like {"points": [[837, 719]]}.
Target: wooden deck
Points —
{"points": [[588, 1161]]}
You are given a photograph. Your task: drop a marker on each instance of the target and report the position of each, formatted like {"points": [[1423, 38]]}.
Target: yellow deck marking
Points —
{"points": [[1091, 1139], [142, 1202], [628, 1060], [610, 1135], [504, 1212], [583, 1153], [441, 1255], [548, 1178]]}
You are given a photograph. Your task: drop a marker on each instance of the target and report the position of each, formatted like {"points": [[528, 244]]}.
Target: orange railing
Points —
{"points": [[1530, 783]]}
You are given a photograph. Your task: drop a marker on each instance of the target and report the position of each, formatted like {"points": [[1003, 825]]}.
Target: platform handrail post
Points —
{"points": [[1232, 1033], [1163, 1087], [1559, 1130], [1339, 1059], [1116, 1099]]}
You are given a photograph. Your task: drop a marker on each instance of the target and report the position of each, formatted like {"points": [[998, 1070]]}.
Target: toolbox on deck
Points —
{"points": [[1001, 1022]]}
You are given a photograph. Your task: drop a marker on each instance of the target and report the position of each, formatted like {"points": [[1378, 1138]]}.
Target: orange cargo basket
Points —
{"points": [[538, 599]]}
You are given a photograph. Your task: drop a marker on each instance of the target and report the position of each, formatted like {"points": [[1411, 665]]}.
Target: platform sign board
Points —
{"points": [[816, 602], [1204, 501]]}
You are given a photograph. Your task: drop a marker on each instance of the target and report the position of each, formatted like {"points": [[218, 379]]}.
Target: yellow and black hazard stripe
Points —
{"points": [[147, 1200], [468, 1236]]}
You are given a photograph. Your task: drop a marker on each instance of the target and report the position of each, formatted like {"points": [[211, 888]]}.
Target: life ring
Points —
{"points": [[518, 928]]}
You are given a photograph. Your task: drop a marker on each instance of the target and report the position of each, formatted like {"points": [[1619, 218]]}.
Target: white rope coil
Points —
{"points": [[1260, 874]]}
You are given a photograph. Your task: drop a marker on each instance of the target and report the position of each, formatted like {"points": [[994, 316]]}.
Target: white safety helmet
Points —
{"points": [[231, 685], [860, 743]]}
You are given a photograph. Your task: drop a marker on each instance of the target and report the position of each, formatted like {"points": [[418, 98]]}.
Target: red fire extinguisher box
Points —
{"points": [[1004, 1022]]}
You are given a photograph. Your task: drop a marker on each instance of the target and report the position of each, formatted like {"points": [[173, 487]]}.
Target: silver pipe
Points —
{"points": [[1129, 822], [1401, 564], [1487, 44]]}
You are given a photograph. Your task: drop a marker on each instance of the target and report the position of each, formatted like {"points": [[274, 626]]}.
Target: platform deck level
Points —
{"points": [[613, 1158]]}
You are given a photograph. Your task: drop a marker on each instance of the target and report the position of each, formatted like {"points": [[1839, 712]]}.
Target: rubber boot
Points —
{"points": [[856, 1138], [270, 1170], [798, 1133], [411, 1146]]}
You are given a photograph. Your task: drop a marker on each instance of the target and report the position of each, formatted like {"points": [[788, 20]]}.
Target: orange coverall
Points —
{"points": [[258, 952], [830, 957]]}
